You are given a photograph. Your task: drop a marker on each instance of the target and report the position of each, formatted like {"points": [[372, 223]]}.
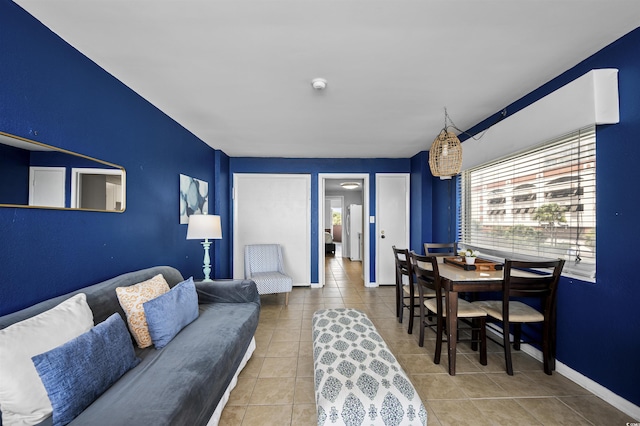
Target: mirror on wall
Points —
{"points": [[36, 175]]}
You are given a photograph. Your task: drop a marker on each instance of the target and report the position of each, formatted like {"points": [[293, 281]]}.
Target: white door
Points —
{"points": [[392, 227], [46, 186], [274, 209]]}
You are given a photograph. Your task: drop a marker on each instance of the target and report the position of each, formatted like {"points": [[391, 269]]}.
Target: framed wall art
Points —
{"points": [[194, 197]]}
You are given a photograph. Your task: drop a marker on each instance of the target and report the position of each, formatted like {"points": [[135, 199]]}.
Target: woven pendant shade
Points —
{"points": [[445, 155]]}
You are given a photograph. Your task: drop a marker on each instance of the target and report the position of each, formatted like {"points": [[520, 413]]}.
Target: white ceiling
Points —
{"points": [[237, 73]]}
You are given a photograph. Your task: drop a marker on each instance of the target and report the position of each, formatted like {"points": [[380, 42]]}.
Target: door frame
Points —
{"points": [[365, 212], [407, 178], [237, 248]]}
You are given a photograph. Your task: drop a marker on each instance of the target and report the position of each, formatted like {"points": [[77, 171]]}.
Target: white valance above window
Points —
{"points": [[590, 99]]}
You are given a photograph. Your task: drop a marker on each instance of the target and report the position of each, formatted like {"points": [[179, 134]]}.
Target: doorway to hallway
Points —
{"points": [[342, 272], [353, 235]]}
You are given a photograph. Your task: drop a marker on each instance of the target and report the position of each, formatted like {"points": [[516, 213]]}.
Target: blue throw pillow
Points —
{"points": [[76, 373], [171, 312]]}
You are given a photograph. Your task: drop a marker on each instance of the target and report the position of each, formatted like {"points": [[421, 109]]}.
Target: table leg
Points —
{"points": [[451, 299]]}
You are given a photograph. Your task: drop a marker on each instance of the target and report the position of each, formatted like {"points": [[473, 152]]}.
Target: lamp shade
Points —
{"points": [[445, 155], [204, 226]]}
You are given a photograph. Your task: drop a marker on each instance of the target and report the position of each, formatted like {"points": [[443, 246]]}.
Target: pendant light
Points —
{"points": [[445, 154]]}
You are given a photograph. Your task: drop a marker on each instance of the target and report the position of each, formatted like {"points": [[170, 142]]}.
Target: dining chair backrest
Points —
{"points": [[441, 249], [403, 264], [428, 277], [541, 281]]}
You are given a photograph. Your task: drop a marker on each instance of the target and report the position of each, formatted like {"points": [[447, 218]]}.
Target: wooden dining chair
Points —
{"points": [[406, 297], [539, 281], [441, 249], [428, 277]]}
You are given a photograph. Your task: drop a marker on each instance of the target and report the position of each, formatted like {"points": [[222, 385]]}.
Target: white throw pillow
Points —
{"points": [[23, 398]]}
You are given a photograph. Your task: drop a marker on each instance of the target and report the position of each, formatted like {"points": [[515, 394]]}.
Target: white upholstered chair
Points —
{"points": [[263, 264]]}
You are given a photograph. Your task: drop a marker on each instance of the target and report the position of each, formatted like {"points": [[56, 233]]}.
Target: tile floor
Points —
{"points": [[276, 386]]}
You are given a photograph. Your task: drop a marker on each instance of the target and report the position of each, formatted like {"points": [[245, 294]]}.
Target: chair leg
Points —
{"points": [[517, 336], [507, 348], [482, 322], [422, 326], [401, 309], [547, 357], [474, 333], [412, 308], [286, 299], [439, 326]]}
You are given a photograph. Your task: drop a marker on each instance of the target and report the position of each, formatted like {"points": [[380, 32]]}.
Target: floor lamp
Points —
{"points": [[205, 227]]}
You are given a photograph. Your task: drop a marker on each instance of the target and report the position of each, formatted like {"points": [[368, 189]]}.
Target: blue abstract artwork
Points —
{"points": [[194, 197]]}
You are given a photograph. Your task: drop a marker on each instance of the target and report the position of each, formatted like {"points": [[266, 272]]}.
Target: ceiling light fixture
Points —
{"points": [[445, 154], [350, 185], [319, 83]]}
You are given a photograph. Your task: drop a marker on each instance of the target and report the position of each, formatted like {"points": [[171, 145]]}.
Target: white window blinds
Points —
{"points": [[537, 204]]}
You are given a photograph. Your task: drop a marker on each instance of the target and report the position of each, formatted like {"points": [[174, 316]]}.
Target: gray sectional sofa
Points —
{"points": [[188, 381]]}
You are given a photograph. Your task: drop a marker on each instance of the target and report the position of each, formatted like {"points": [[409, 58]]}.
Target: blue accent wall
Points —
{"points": [[14, 172], [315, 166], [599, 323], [51, 93]]}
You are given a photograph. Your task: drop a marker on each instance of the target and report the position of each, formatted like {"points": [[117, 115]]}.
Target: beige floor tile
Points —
{"points": [[273, 390], [556, 384], [232, 415], [505, 412], [596, 410], [479, 386], [458, 412], [253, 367], [279, 367], [305, 391], [304, 414], [265, 415], [433, 387], [283, 349], [550, 411], [306, 348], [305, 366], [286, 335], [241, 394], [419, 364], [518, 385]]}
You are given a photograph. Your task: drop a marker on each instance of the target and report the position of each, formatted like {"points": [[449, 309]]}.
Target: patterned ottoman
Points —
{"points": [[358, 380]]}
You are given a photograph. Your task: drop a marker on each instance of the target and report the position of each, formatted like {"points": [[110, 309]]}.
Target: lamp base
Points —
{"points": [[206, 268]]}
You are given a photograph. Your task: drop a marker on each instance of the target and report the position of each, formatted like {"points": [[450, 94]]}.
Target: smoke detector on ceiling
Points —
{"points": [[319, 83]]}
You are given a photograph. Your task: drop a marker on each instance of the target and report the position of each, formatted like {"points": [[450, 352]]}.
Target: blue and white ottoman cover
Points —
{"points": [[357, 379]]}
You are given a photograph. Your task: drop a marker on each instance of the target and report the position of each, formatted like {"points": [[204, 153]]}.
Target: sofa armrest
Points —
{"points": [[227, 291]]}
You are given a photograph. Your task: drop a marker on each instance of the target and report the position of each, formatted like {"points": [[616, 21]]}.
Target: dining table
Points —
{"points": [[454, 280]]}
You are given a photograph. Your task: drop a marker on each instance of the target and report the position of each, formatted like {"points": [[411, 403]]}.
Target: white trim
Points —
{"points": [[587, 100], [75, 187], [595, 388], [366, 211]]}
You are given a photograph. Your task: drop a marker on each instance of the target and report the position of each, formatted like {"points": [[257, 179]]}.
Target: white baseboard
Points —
{"points": [[580, 379]]}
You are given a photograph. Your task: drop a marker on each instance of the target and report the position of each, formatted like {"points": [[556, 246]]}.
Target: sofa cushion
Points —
{"points": [[23, 398], [132, 299], [79, 371], [171, 312], [182, 383]]}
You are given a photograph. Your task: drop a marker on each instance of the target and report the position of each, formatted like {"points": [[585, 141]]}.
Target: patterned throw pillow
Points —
{"points": [[131, 299]]}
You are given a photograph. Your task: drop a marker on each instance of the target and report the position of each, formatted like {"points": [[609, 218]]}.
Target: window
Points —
{"points": [[537, 204]]}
